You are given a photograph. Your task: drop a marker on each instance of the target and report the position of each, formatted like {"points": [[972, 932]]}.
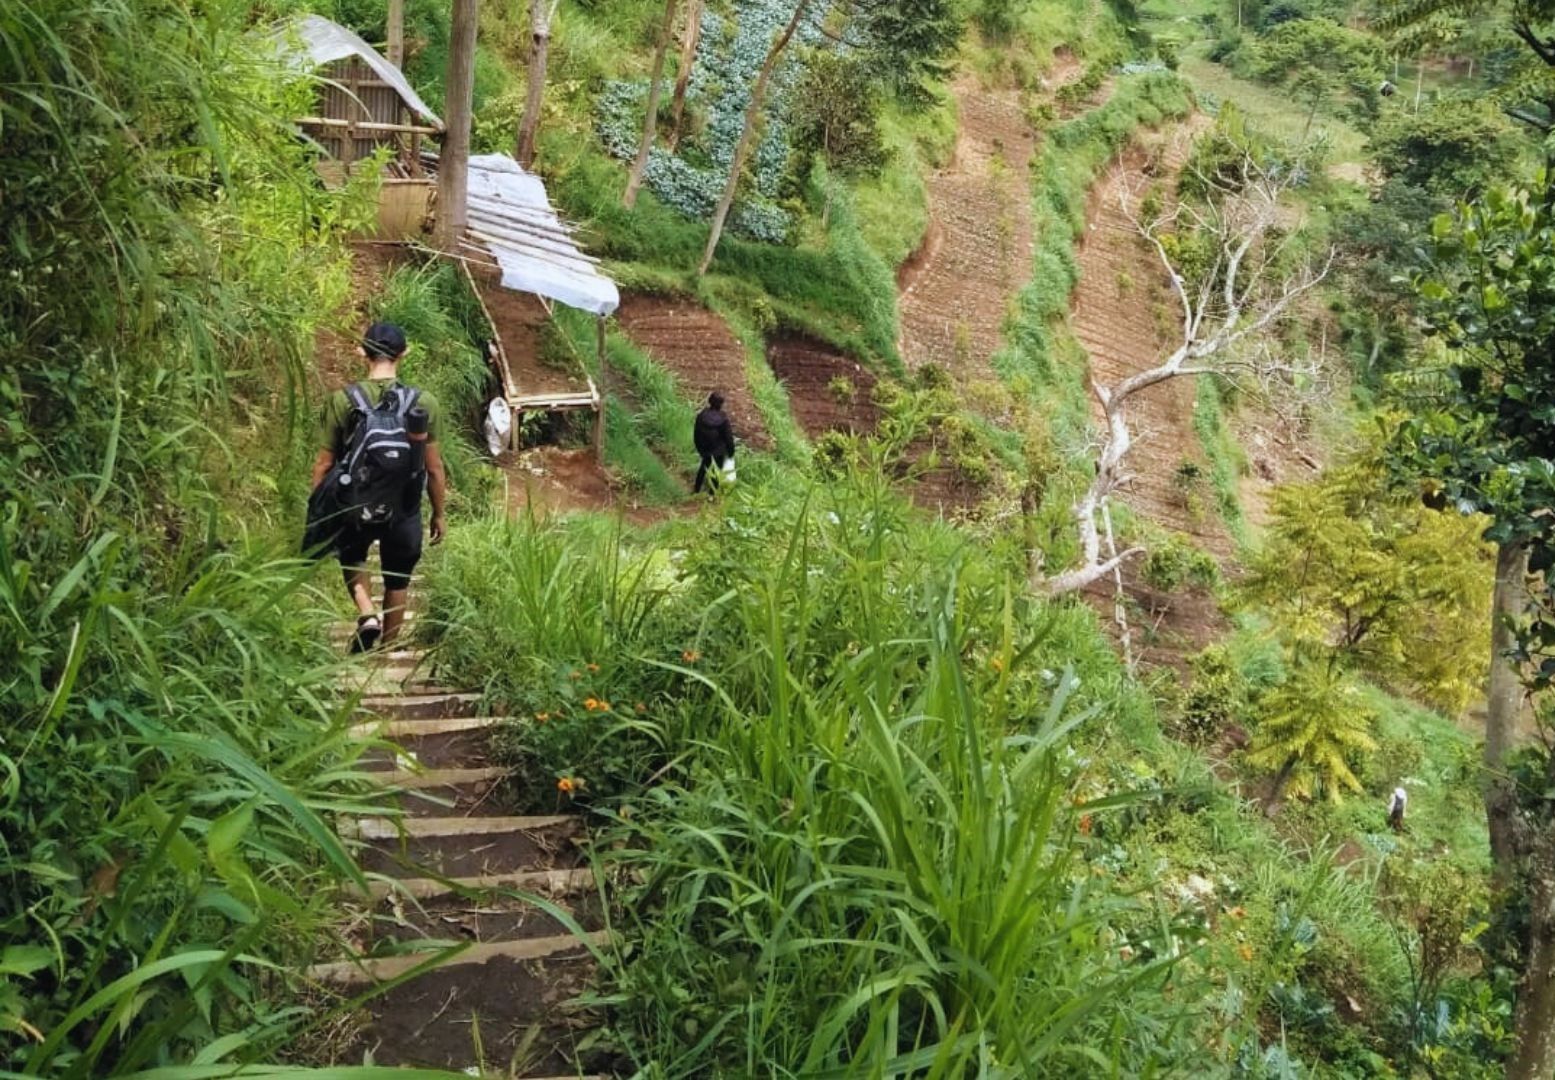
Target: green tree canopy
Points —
{"points": [[1454, 147], [1381, 584], [1322, 62]]}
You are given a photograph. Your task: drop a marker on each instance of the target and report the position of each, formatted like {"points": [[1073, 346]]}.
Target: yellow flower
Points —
{"points": [[542, 717], [565, 785], [590, 704], [604, 706], [691, 656], [997, 663], [593, 667], [1246, 952], [1238, 912], [574, 674]]}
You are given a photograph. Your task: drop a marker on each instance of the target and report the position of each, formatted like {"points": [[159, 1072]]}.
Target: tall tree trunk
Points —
{"points": [[688, 58], [742, 149], [651, 122], [1534, 1058], [453, 170], [1276, 801], [540, 46], [397, 33], [1504, 699]]}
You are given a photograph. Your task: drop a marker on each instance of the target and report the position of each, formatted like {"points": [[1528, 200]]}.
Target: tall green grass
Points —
{"points": [[172, 746], [836, 746]]}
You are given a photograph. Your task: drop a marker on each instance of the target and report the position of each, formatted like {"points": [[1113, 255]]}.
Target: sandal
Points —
{"points": [[367, 630]]}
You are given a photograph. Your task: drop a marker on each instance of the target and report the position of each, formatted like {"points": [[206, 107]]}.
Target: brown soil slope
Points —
{"points": [[1126, 318], [697, 347], [977, 252]]}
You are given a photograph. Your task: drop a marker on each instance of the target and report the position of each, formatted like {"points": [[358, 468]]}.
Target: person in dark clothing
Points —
{"points": [[399, 538], [714, 438]]}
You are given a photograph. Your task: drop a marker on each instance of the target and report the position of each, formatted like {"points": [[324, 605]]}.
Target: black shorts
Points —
{"points": [[399, 549]]}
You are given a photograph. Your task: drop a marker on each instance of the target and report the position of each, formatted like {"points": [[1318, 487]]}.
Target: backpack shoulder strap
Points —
{"points": [[408, 396], [358, 398]]}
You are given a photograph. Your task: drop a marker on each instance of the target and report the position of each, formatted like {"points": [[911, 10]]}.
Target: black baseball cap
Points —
{"points": [[384, 341]]}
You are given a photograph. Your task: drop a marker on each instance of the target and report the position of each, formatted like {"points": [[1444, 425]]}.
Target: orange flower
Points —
{"points": [[641, 707], [1238, 912], [604, 706], [691, 656], [542, 717], [1246, 952], [565, 785], [591, 704], [593, 667], [574, 674], [1085, 824]]}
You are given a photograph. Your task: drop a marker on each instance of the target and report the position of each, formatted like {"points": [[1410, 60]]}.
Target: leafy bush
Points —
{"points": [[1174, 561], [1217, 696]]}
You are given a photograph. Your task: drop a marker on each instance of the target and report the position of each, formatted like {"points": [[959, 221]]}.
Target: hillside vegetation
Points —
{"points": [[989, 725]]}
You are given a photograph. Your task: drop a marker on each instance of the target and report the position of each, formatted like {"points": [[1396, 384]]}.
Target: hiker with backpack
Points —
{"points": [[378, 454], [713, 437]]}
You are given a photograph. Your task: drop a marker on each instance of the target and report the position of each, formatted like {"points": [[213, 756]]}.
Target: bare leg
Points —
{"points": [[394, 601], [360, 586]]}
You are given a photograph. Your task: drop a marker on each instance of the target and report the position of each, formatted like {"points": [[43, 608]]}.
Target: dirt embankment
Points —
{"points": [[697, 347], [1126, 317], [956, 289]]}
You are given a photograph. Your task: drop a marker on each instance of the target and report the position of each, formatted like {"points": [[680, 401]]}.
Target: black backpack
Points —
{"points": [[380, 475]]}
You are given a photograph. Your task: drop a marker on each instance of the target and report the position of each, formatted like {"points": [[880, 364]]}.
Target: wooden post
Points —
{"points": [[599, 414], [397, 33], [453, 173]]}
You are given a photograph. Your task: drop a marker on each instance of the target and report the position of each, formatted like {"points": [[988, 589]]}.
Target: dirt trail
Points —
{"points": [[956, 289], [454, 870], [550, 480], [697, 347]]}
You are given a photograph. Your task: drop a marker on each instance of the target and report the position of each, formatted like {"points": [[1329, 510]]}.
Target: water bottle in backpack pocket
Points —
{"points": [[380, 469]]}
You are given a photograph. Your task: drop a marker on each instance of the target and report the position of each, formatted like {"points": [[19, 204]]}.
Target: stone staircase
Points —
{"points": [[455, 870]]}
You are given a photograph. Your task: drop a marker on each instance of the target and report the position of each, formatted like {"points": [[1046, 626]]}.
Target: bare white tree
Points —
{"points": [[1250, 283]]}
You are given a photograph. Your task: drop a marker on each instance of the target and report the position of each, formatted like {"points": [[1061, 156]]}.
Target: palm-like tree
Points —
{"points": [[1313, 724]]}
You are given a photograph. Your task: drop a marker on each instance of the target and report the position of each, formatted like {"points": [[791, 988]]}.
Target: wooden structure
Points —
{"points": [[364, 108], [520, 398], [515, 237]]}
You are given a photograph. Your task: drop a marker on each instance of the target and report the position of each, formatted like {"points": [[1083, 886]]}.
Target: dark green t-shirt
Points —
{"points": [[334, 424]]}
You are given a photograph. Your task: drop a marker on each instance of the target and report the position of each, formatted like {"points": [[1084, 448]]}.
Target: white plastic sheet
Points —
{"points": [[323, 42], [511, 217]]}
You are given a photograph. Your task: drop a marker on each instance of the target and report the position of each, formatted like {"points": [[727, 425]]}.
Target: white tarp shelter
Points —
{"points": [[308, 43], [511, 219]]}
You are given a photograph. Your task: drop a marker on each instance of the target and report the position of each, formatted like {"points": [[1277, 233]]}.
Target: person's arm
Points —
{"points": [[321, 465], [728, 437], [437, 487]]}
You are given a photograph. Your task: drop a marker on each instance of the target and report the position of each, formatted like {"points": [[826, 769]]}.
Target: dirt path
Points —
{"points": [[550, 480], [454, 870], [697, 347], [956, 289]]}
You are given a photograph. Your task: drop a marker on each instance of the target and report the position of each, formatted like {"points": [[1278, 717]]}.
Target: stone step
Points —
{"points": [[446, 792], [366, 970], [429, 704], [500, 1012], [490, 915], [402, 730], [548, 883], [431, 744], [464, 847]]}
